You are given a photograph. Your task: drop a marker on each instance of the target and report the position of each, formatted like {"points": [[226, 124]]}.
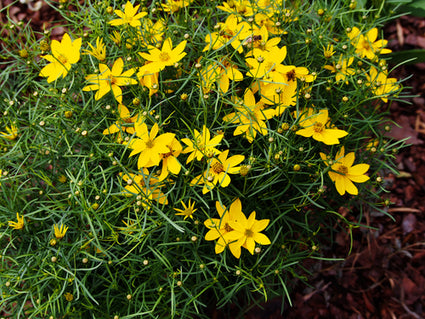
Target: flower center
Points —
{"points": [[111, 79], [62, 59], [249, 233], [366, 45], [318, 127], [164, 56], [343, 169], [166, 155], [227, 227], [291, 75], [150, 144], [217, 167]]}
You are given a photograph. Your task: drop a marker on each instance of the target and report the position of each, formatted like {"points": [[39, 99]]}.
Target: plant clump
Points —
{"points": [[165, 156]]}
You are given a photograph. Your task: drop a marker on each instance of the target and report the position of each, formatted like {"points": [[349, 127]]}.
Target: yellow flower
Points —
{"points": [[367, 45], [328, 51], [381, 85], [167, 56], [246, 232], [129, 16], [19, 224], [242, 7], [267, 64], [234, 230], [144, 185], [68, 296], [151, 33], [250, 116], [343, 173], [123, 122], [108, 80], [12, 132], [264, 19], [218, 171], [317, 127], [187, 211], [60, 231], [341, 68], [99, 52], [202, 145], [260, 40], [149, 145], [230, 32], [116, 37], [64, 54], [219, 227], [175, 5], [148, 79], [170, 164]]}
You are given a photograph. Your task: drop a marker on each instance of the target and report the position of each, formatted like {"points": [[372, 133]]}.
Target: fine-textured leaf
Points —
{"points": [[415, 8], [411, 56]]}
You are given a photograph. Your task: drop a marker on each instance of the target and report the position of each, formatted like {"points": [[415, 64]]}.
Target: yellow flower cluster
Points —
{"points": [[246, 66]]}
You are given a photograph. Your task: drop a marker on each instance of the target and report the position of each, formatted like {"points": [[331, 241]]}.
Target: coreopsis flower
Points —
{"points": [[266, 20], [267, 64], [220, 227], [250, 116], [60, 231], [317, 126], [381, 85], [343, 173], [110, 80], [99, 51], [367, 45], [144, 185], [259, 39], [341, 68], [64, 55], [246, 232], [218, 170], [241, 7], [202, 145], [230, 32], [187, 210], [151, 33], [115, 37], [329, 51], [149, 145], [167, 56], [11, 133], [219, 73], [148, 79], [175, 5], [19, 224], [129, 16], [125, 122], [282, 94], [170, 164]]}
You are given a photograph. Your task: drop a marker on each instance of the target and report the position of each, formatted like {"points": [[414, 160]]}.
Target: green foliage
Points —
{"points": [[126, 253]]}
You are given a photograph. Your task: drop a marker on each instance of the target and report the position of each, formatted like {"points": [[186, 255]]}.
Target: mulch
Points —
{"points": [[384, 277]]}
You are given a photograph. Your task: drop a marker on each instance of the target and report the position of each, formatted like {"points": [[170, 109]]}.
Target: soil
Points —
{"points": [[384, 277]]}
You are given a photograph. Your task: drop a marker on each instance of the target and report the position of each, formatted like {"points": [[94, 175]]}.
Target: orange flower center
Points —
{"points": [[318, 127], [111, 79], [343, 169], [217, 167], [227, 227], [366, 45], [62, 59]]}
